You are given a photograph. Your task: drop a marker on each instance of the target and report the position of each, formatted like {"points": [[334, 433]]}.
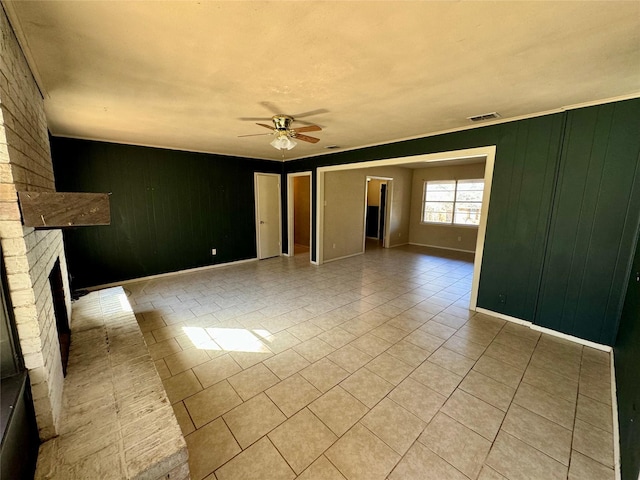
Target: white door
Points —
{"points": [[268, 223]]}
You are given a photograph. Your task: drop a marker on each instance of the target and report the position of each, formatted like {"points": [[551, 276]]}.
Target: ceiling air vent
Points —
{"points": [[484, 117]]}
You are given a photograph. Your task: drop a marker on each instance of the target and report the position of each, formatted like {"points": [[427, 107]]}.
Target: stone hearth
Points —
{"points": [[116, 421]]}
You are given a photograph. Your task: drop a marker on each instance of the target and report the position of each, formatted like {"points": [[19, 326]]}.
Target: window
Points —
{"points": [[454, 202]]}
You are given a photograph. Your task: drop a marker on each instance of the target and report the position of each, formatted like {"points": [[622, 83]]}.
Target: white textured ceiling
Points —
{"points": [[183, 75]]}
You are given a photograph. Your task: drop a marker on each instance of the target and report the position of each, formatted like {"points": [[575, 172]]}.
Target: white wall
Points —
{"points": [[443, 236], [344, 195], [343, 213]]}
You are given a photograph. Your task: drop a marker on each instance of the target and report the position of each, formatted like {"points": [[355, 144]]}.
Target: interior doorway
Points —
{"points": [[376, 212], [450, 157], [299, 213], [268, 220]]}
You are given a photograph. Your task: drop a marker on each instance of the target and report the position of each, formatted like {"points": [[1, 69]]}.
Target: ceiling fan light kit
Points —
{"points": [[283, 142]]}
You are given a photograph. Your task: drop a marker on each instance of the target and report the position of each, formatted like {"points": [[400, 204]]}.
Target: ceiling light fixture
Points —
{"points": [[283, 142]]}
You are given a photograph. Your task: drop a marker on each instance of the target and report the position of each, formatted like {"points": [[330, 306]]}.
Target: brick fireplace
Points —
{"points": [[30, 255], [117, 421]]}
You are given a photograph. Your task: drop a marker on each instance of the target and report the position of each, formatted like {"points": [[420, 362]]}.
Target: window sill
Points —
{"points": [[456, 225]]}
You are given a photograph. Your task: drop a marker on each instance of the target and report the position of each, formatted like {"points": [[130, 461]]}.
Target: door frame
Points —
{"points": [[387, 213], [386, 187], [489, 154], [257, 206], [290, 211]]}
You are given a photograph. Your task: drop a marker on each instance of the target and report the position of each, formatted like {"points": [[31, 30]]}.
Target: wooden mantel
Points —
{"points": [[64, 209]]}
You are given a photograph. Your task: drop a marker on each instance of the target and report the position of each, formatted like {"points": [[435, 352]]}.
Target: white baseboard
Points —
{"points": [[441, 248], [548, 331], [586, 343], [342, 258], [399, 245], [502, 316], [169, 274], [616, 425]]}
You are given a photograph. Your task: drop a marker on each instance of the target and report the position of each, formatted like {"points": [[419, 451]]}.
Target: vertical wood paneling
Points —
{"points": [[597, 206], [627, 359], [169, 209], [518, 217]]}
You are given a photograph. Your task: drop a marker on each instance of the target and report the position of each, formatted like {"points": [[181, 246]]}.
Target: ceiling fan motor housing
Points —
{"points": [[282, 122]]}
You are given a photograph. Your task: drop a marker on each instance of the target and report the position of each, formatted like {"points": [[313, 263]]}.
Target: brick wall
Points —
{"points": [[25, 165]]}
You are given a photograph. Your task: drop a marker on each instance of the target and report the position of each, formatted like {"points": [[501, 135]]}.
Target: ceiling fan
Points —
{"points": [[285, 135]]}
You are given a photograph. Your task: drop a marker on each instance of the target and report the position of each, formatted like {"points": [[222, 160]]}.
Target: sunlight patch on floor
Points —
{"points": [[200, 338], [227, 339], [124, 303]]}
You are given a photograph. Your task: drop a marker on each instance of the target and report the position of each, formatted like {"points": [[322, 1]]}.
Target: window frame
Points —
{"points": [[455, 201]]}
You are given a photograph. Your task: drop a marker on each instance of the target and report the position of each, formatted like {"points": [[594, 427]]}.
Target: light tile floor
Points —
{"points": [[369, 367]]}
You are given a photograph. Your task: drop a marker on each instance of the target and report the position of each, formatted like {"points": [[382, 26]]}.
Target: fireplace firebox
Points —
{"points": [[60, 311]]}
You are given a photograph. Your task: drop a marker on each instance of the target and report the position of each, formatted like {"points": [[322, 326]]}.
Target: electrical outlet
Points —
{"points": [[214, 251], [334, 245], [502, 298], [459, 239]]}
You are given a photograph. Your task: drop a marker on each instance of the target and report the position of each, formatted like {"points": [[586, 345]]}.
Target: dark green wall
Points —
{"points": [[627, 363], [168, 209], [595, 215]]}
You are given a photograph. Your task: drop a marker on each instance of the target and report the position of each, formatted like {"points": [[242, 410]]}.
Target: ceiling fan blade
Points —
{"points": [[306, 138], [312, 112], [254, 119], [272, 108], [310, 128], [266, 126], [255, 135], [308, 123]]}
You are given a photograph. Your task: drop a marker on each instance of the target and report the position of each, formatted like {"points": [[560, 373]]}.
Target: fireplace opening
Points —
{"points": [[60, 312]]}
